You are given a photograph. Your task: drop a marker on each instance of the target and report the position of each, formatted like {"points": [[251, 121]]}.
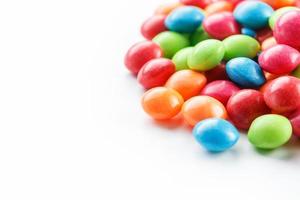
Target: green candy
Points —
{"points": [[171, 42], [240, 46], [206, 55], [278, 13], [270, 131], [198, 36], [296, 72], [180, 58]]}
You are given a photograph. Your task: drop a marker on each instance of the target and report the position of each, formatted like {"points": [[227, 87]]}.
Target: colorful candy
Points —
{"points": [[278, 13], [270, 131], [215, 134], [199, 35], [180, 58], [295, 121], [153, 26], [162, 103], [217, 7]]}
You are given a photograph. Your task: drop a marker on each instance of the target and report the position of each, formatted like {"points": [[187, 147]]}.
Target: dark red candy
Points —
{"points": [[221, 25], [245, 106], [263, 34], [283, 94], [156, 72], [221, 90], [217, 73], [139, 54], [153, 26], [295, 121]]}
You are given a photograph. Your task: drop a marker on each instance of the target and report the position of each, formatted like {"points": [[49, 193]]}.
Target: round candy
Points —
{"points": [[153, 26], [217, 7], [198, 36], [270, 131], [156, 72], [162, 103], [249, 32], [245, 72], [295, 121], [246, 105], [217, 73], [278, 13], [263, 34], [167, 8], [283, 94], [185, 19], [139, 54], [180, 58], [199, 108], [280, 3], [171, 42], [221, 25], [187, 82], [221, 90], [198, 3], [279, 59], [268, 43], [287, 29], [206, 55], [253, 14], [215, 134], [240, 46]]}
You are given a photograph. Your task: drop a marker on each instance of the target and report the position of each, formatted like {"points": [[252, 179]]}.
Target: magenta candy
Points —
{"points": [[221, 25], [279, 59], [287, 29], [153, 26], [245, 106], [221, 90], [283, 94], [156, 72]]}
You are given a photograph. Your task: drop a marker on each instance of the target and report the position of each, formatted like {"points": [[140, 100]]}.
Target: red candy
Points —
{"points": [[279, 59], [263, 34], [287, 29], [156, 72], [153, 26], [139, 54], [245, 106], [217, 73], [199, 3], [221, 25], [221, 90], [283, 94], [295, 121]]}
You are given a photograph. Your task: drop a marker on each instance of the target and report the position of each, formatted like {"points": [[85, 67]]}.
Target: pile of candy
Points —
{"points": [[224, 66]]}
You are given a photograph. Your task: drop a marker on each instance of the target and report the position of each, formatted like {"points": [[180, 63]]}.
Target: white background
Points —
{"points": [[71, 125]]}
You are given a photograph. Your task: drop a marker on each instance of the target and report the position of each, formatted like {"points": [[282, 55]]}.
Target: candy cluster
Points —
{"points": [[225, 67]]}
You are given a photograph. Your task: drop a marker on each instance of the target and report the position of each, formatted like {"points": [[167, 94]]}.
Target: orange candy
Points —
{"points": [[187, 82], [267, 43], [202, 107], [167, 8], [280, 3], [219, 6], [162, 103]]}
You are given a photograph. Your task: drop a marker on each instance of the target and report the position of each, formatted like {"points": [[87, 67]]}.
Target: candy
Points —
{"points": [[202, 107], [156, 72], [280, 3], [215, 134], [278, 13], [185, 19], [246, 105], [270, 131], [249, 32], [287, 29], [240, 46], [153, 26], [267, 43], [217, 73], [198, 36], [253, 14], [171, 42], [221, 90], [295, 121], [180, 58], [206, 55], [198, 3], [279, 59], [162, 103], [187, 82], [283, 94], [167, 8], [139, 54], [245, 72], [218, 6], [221, 25]]}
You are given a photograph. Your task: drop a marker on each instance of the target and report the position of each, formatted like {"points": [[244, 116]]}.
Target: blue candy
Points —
{"points": [[216, 134], [253, 14], [249, 32], [245, 72], [184, 19]]}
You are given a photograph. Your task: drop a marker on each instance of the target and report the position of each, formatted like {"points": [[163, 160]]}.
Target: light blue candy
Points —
{"points": [[184, 19], [253, 14], [245, 72], [216, 134], [249, 32]]}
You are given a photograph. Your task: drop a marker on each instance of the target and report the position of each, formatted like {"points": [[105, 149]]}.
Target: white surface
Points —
{"points": [[71, 126]]}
